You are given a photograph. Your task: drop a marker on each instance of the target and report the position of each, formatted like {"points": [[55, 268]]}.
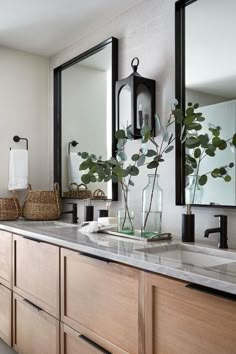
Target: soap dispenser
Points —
{"points": [[88, 211], [188, 225]]}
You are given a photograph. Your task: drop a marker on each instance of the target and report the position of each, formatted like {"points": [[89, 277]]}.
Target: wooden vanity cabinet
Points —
{"points": [[34, 331], [6, 314], [6, 258], [73, 342], [180, 320], [100, 299], [36, 273]]}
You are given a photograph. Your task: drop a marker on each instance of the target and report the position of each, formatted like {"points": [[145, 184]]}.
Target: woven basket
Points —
{"points": [[42, 205], [81, 192], [9, 209], [99, 194]]}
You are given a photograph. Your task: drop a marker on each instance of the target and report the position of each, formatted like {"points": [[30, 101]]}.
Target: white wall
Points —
{"points": [[148, 32], [24, 80]]}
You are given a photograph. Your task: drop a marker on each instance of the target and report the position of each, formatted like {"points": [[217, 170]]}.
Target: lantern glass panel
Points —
{"points": [[144, 100], [125, 115]]}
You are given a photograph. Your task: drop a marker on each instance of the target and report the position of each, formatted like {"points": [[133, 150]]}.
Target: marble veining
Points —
{"points": [[135, 253]]}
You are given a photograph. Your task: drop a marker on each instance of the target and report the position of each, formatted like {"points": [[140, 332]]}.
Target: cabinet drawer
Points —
{"points": [[6, 314], [102, 297], [73, 342], [34, 331], [36, 273], [6, 258], [180, 320]]}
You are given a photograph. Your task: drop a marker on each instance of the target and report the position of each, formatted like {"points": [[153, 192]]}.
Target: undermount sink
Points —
{"points": [[191, 255], [49, 224]]}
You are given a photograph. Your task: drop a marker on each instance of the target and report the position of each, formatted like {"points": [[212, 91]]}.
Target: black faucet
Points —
{"points": [[73, 212], [222, 230]]}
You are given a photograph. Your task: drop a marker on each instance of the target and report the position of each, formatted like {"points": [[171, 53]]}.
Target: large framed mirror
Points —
{"points": [[84, 116], [206, 77]]}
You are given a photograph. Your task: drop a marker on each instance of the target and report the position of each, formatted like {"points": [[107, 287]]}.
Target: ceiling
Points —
{"points": [[47, 26], [210, 49]]}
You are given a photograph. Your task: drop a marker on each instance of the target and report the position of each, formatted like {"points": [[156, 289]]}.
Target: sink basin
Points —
{"points": [[191, 255], [41, 225]]}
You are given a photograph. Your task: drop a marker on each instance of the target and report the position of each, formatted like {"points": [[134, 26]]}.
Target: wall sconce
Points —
{"points": [[135, 101]]}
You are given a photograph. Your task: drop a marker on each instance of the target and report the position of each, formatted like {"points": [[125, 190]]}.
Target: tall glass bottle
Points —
{"points": [[126, 216], [152, 201]]}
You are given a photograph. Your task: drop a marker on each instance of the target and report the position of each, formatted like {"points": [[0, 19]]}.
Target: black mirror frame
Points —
{"points": [[180, 6], [57, 105]]}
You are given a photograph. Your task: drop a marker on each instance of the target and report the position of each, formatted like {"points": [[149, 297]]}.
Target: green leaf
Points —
{"points": [[107, 178], [196, 106], [153, 164], [189, 111], [223, 171], [215, 173], [121, 143], [112, 161], [120, 134], [200, 119], [231, 164], [86, 179], [135, 157], [234, 140], [227, 178], [197, 153], [134, 171], [189, 120], [122, 155], [131, 183], [84, 155], [194, 126], [188, 170], [141, 160], [151, 153], [93, 157], [210, 152], [222, 145], [192, 142], [83, 166], [216, 141], [204, 140], [178, 114], [190, 104], [169, 149], [93, 178], [202, 180]]}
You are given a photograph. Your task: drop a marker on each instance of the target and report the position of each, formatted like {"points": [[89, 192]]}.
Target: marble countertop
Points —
{"points": [[128, 252]]}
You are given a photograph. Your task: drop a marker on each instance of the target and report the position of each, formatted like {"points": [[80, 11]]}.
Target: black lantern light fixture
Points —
{"points": [[135, 101]]}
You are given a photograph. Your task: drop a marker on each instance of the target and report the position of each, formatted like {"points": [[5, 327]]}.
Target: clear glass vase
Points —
{"points": [[193, 191], [126, 216], [152, 200]]}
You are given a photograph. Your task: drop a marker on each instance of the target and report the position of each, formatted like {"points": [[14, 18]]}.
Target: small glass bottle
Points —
{"points": [[126, 217], [193, 191], [152, 207]]}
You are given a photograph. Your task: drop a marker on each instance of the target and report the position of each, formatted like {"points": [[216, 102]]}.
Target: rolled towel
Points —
{"points": [[74, 174], [18, 169]]}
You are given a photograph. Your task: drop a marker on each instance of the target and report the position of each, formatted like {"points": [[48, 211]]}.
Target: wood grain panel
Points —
{"points": [[102, 297], [6, 258], [180, 320], [36, 273], [35, 331], [6, 314]]}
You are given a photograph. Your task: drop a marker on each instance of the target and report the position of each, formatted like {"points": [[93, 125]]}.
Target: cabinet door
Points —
{"points": [[180, 320], [36, 273], [6, 258], [73, 342], [34, 331], [103, 297], [6, 314]]}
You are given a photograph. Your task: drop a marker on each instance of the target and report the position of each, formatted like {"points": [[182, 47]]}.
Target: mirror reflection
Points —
{"points": [[210, 81], [86, 113]]}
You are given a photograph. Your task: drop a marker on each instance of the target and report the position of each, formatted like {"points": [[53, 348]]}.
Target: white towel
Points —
{"points": [[74, 174], [18, 170]]}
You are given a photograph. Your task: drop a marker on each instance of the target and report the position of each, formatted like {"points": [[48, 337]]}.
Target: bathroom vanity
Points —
{"points": [[65, 292]]}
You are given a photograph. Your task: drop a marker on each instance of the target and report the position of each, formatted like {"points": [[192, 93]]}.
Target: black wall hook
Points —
{"points": [[72, 143], [16, 139]]}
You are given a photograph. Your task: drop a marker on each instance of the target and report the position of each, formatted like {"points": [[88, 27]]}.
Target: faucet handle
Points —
{"points": [[221, 217]]}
